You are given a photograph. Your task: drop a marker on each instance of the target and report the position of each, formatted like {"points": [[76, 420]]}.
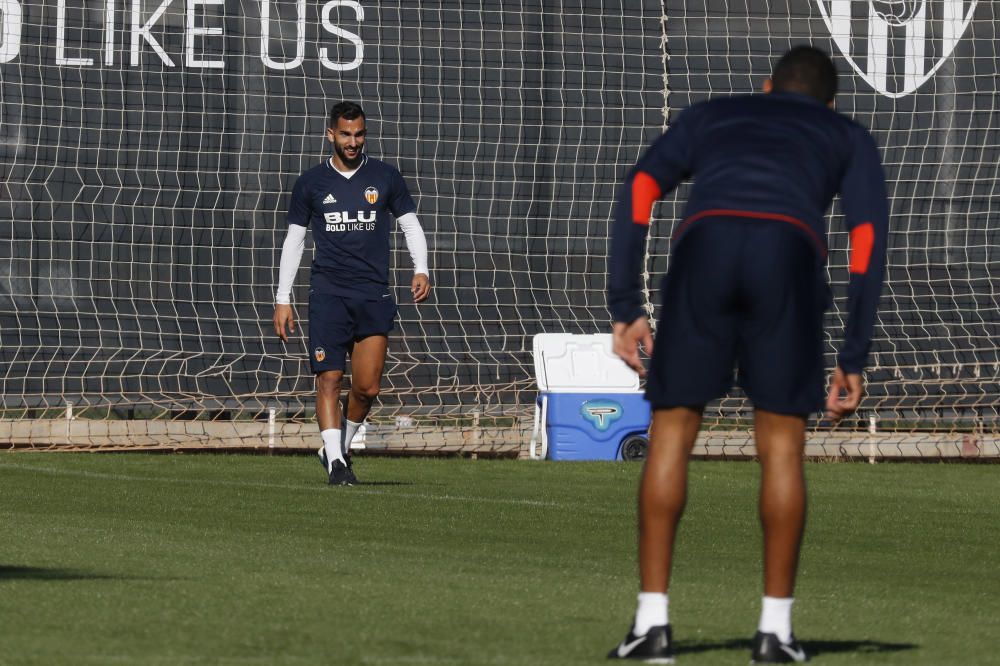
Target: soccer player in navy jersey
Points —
{"points": [[348, 201], [746, 290]]}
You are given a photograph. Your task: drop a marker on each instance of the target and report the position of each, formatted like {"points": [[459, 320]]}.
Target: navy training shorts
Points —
{"points": [[337, 322], [745, 296]]}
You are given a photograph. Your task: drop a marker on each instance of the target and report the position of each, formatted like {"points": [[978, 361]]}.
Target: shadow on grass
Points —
{"points": [[54, 573], [812, 648], [861, 647], [385, 483]]}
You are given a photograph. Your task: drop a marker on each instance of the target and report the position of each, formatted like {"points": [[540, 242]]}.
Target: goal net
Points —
{"points": [[148, 148], [920, 75]]}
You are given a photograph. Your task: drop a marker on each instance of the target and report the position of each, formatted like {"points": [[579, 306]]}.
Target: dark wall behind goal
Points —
{"points": [[147, 158], [921, 76]]}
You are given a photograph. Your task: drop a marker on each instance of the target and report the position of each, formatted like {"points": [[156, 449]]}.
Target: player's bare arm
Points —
{"points": [[628, 338], [284, 320], [846, 391], [420, 287]]}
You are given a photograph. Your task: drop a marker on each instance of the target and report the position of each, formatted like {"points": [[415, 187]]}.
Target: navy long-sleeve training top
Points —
{"points": [[779, 156]]}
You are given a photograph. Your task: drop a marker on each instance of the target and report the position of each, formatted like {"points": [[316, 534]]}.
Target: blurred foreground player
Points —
{"points": [[746, 289], [348, 201]]}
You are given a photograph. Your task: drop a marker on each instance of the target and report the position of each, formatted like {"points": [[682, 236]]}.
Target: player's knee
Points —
{"points": [[366, 394], [329, 382]]}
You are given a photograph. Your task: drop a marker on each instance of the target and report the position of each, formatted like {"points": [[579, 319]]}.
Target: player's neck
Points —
{"points": [[346, 169]]}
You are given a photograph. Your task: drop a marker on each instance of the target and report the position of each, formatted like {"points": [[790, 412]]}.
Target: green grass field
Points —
{"points": [[214, 559]]}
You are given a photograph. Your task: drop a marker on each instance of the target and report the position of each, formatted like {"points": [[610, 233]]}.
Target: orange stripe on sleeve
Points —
{"points": [[862, 242], [645, 192]]}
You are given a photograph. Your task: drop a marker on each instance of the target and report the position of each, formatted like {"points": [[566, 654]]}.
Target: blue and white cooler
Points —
{"points": [[589, 405]]}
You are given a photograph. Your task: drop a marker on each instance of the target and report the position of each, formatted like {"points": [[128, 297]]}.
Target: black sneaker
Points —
{"points": [[768, 649], [656, 647], [340, 475], [350, 469]]}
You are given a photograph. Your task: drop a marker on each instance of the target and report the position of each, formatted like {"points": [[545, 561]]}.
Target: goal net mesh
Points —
{"points": [[148, 148], [919, 75]]}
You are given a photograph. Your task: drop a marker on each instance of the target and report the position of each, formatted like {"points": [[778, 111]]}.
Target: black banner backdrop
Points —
{"points": [[922, 76], [148, 171], [147, 148]]}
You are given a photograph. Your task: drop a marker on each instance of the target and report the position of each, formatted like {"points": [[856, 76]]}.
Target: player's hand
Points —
{"points": [[627, 338], [852, 385], [284, 320], [420, 287]]}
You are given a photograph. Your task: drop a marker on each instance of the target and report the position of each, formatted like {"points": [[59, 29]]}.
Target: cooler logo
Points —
{"points": [[601, 413], [319, 354], [371, 195], [896, 45]]}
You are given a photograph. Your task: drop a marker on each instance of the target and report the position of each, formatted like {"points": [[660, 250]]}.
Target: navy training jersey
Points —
{"points": [[779, 156], [350, 220]]}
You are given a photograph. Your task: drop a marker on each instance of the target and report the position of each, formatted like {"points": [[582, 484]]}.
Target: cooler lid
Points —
{"points": [[568, 363]]}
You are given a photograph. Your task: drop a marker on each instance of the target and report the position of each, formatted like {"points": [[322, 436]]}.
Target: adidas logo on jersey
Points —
{"points": [[329, 199]]}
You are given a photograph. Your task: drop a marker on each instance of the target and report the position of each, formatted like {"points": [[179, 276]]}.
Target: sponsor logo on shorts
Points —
{"points": [[319, 354], [601, 413], [371, 195]]}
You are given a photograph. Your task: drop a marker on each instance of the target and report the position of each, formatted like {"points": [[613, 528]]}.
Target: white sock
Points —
{"points": [[776, 617], [350, 429], [652, 611], [331, 444]]}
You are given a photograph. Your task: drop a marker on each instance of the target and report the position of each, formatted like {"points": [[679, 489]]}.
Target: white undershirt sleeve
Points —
{"points": [[291, 255], [416, 243]]}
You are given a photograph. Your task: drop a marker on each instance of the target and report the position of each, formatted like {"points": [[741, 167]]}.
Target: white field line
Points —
{"points": [[361, 490], [172, 660]]}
